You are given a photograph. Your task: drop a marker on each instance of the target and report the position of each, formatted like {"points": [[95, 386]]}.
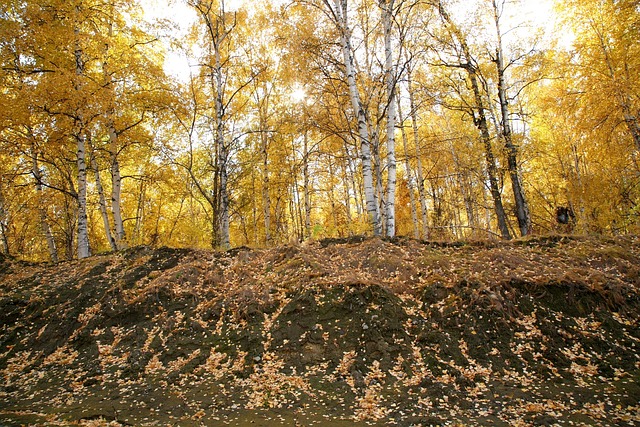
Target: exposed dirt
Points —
{"points": [[339, 332]]}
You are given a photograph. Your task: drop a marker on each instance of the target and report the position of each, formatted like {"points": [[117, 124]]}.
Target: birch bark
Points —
{"points": [[83, 228], [116, 190], [44, 225], [522, 208], [79, 126], [340, 12], [409, 172], [4, 239], [218, 33], [307, 194], [480, 120], [416, 142], [264, 149], [103, 204], [223, 154], [116, 179], [390, 83]]}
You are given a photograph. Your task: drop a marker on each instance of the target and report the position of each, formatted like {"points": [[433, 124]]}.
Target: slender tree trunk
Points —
{"points": [[410, 181], [466, 189], [116, 180], [176, 219], [70, 224], [83, 231], [103, 204], [437, 205], [480, 120], [79, 135], [116, 193], [390, 83], [347, 195], [293, 216], [4, 239], [522, 208], [307, 193], [219, 199], [42, 211], [140, 212], [357, 189], [245, 231], [632, 122], [379, 186], [332, 202], [222, 235], [296, 202], [488, 212], [266, 200], [422, 194], [254, 209], [345, 38]]}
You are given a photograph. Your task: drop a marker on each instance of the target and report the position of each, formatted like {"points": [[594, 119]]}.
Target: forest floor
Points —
{"points": [[542, 331]]}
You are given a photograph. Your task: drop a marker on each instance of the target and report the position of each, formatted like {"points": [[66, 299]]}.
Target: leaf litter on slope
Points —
{"points": [[534, 332]]}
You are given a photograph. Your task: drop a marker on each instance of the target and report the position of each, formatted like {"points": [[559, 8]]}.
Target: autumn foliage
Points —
{"points": [[441, 120]]}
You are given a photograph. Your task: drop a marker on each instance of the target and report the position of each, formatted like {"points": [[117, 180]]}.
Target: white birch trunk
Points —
{"points": [[116, 179], [410, 181], [78, 133], [44, 225], [266, 200], [365, 149], [480, 120], [116, 194], [377, 176], [140, 212], [387, 8], [307, 193], [103, 205], [223, 209], [416, 142], [357, 189], [347, 193], [4, 239], [83, 227], [522, 207]]}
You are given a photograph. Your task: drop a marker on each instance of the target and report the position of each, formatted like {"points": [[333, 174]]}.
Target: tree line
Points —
{"points": [[437, 119]]}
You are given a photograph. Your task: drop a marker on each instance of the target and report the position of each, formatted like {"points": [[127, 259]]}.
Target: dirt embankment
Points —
{"points": [[536, 332]]}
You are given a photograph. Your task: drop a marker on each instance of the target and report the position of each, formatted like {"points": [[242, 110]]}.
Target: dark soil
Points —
{"points": [[339, 332]]}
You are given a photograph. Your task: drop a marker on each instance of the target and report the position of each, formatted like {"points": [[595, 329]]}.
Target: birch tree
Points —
{"points": [[422, 194], [79, 133], [118, 239], [390, 78], [44, 224], [338, 12], [409, 173], [479, 113], [218, 30], [521, 205]]}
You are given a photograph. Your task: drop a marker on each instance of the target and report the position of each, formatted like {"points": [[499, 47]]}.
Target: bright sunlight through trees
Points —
{"points": [[199, 123]]}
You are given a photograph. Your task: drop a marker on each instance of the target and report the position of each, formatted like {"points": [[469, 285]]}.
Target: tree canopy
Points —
{"points": [[438, 119]]}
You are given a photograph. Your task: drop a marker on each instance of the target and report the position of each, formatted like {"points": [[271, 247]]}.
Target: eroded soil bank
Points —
{"points": [[332, 333]]}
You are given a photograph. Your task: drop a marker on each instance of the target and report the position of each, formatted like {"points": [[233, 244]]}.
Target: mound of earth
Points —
{"points": [[338, 332]]}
